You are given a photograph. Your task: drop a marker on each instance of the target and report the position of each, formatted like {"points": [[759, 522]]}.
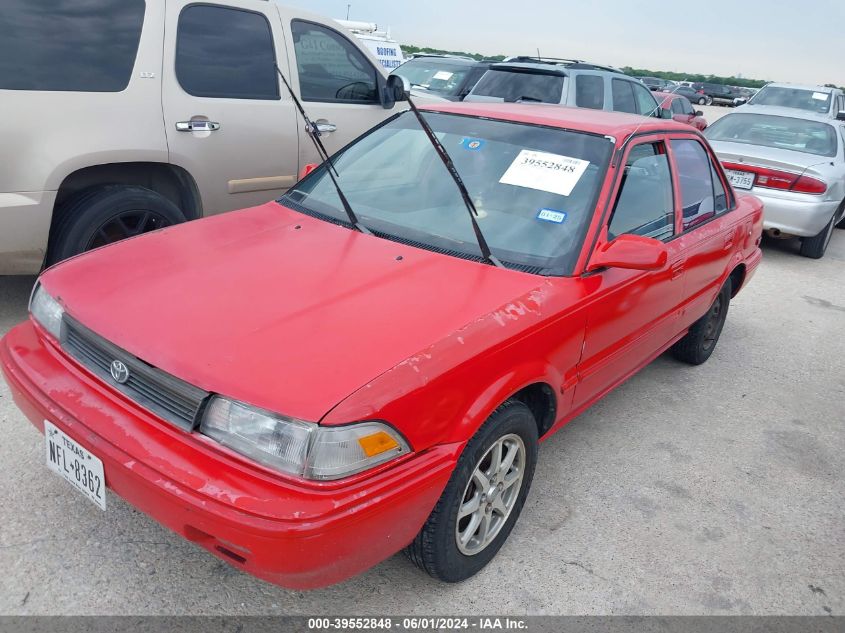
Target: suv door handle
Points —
{"points": [[197, 126], [324, 127]]}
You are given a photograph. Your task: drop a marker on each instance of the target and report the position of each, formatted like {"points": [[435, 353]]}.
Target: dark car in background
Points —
{"points": [[449, 77], [717, 94], [693, 95], [656, 83]]}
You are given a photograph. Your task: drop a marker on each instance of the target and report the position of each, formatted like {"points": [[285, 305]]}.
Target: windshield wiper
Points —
{"points": [[314, 135], [453, 171]]}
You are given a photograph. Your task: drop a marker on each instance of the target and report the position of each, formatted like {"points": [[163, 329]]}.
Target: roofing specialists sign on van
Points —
{"points": [[380, 44]]}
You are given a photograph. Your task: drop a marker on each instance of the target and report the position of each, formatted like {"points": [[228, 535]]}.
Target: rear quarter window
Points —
{"points": [[69, 45], [520, 86]]}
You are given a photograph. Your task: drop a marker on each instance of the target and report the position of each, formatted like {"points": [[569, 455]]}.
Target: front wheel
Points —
{"points": [[483, 499], [698, 344], [815, 247], [702, 101]]}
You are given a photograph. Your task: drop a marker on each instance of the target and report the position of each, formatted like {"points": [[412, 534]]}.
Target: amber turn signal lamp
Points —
{"points": [[377, 443]]}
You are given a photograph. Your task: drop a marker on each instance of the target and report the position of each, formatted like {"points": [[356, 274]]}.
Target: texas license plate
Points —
{"points": [[740, 179], [67, 458]]}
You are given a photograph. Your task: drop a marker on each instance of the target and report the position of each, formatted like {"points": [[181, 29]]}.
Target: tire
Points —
{"points": [[702, 101], [841, 223], [709, 101], [435, 549], [816, 246], [106, 214], [698, 344]]}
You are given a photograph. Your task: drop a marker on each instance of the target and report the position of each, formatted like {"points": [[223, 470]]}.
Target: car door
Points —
{"points": [[229, 125], [631, 314], [338, 83], [708, 231]]}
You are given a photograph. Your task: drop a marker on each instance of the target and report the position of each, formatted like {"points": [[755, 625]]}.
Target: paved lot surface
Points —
{"points": [[716, 489]]}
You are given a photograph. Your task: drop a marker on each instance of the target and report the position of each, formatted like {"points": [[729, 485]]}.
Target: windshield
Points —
{"points": [[513, 86], [535, 188], [801, 98], [798, 135], [433, 74]]}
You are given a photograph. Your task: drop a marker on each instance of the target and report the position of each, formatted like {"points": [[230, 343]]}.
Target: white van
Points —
{"points": [[379, 43]]}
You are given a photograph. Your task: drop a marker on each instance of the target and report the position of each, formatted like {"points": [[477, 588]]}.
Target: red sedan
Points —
{"points": [[681, 110], [304, 396]]}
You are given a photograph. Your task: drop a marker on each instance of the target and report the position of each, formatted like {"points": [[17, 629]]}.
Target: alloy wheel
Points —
{"points": [[491, 494], [125, 225]]}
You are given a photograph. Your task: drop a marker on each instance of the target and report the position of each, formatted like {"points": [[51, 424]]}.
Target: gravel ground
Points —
{"points": [[709, 490]]}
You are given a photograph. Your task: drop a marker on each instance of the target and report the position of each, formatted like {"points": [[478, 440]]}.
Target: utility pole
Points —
{"points": [[348, 6]]}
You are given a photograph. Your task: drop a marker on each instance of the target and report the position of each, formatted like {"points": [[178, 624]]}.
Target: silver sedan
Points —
{"points": [[794, 162]]}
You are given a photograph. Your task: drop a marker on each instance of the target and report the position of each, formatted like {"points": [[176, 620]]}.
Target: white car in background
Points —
{"points": [[822, 100], [794, 161]]}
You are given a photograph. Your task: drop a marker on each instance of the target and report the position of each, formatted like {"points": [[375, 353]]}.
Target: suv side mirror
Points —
{"points": [[840, 116], [632, 252], [397, 88]]}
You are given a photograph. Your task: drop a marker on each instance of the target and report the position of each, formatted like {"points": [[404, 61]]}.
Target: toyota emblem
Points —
{"points": [[119, 372]]}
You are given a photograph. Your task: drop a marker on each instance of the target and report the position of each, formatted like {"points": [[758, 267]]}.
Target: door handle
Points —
{"points": [[197, 126], [676, 269], [729, 241], [324, 127]]}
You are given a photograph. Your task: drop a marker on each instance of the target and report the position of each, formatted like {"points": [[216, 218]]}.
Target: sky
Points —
{"points": [[798, 42]]}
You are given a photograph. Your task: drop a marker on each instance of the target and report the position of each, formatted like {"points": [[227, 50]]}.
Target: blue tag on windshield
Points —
{"points": [[551, 215], [472, 144]]}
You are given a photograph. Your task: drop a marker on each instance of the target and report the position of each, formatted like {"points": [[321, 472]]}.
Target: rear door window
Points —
{"points": [[702, 194], [623, 96], [331, 68], [589, 91], [68, 45], [225, 53]]}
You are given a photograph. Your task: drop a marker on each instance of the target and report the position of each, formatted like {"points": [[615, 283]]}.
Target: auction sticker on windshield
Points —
{"points": [[545, 172], [740, 179], [72, 462]]}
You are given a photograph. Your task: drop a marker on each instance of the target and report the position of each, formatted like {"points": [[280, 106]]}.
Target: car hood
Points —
{"points": [[275, 308]]}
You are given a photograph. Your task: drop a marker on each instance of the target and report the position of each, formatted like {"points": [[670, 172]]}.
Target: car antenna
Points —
{"points": [[637, 129], [453, 171], [314, 134]]}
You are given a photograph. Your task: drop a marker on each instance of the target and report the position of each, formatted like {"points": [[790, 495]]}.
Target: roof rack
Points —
{"points": [[562, 61]]}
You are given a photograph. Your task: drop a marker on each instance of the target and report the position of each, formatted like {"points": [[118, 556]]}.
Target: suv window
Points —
{"points": [[514, 86], [331, 68], [645, 205], [646, 105], [225, 53], [702, 193], [623, 96], [60, 46], [589, 91]]}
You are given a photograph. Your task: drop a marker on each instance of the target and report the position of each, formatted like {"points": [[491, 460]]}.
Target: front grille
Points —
{"points": [[168, 397]]}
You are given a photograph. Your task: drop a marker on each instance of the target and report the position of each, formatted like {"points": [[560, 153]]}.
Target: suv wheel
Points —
{"points": [[108, 214], [702, 101], [483, 499]]}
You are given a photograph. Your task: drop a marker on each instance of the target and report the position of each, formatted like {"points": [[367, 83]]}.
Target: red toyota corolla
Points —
{"points": [[304, 397]]}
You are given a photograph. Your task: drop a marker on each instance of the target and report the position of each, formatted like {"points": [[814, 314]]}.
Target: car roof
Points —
{"points": [[793, 113], [615, 124]]}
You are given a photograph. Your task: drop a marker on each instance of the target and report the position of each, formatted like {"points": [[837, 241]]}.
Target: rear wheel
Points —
{"points": [[483, 499], [702, 101], [816, 246], [108, 214], [841, 223], [698, 344]]}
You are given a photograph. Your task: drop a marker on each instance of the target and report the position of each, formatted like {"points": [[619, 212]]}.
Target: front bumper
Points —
{"points": [[798, 214], [297, 534]]}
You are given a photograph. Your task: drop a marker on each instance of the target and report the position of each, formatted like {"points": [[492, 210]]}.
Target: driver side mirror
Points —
{"points": [[631, 252], [397, 88], [840, 116], [699, 113], [740, 101]]}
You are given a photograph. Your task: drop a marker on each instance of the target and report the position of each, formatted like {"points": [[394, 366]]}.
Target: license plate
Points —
{"points": [[75, 464], [740, 179]]}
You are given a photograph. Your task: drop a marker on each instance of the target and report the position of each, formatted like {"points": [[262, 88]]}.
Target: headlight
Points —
{"points": [[46, 311], [300, 448]]}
